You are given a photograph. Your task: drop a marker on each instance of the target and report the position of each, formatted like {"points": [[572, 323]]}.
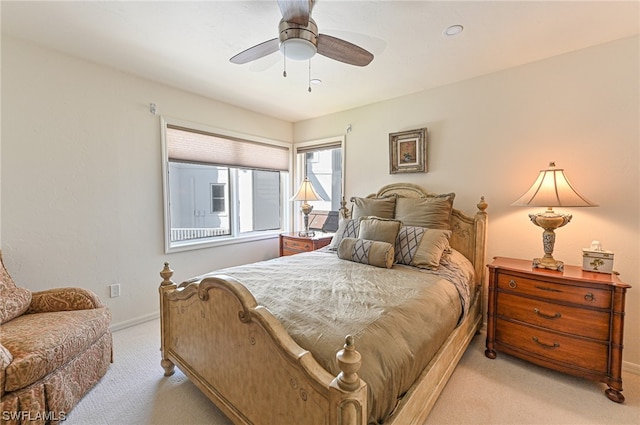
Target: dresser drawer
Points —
{"points": [[571, 320], [299, 245], [572, 294], [561, 348]]}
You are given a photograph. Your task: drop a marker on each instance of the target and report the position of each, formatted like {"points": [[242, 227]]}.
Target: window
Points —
{"points": [[218, 198], [322, 162], [221, 187]]}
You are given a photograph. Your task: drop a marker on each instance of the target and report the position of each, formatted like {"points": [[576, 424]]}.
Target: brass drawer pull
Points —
{"points": [[555, 344], [513, 284], [547, 316], [589, 297]]}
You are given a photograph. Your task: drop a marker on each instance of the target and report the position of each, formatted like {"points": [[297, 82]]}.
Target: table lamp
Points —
{"points": [[551, 189], [304, 194]]}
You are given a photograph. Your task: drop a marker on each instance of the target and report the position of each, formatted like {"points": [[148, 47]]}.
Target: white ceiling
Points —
{"points": [[188, 44]]}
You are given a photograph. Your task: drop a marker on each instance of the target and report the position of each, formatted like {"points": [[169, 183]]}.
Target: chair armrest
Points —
{"points": [[63, 299]]}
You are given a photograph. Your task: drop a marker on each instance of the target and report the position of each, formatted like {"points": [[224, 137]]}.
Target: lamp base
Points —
{"points": [[549, 221], [548, 263], [306, 233]]}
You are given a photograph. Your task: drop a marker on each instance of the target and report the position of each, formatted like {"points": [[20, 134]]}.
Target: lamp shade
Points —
{"points": [[306, 192], [552, 189]]}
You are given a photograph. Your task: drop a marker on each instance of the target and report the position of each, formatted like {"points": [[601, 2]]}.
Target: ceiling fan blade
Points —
{"points": [[296, 11], [257, 51], [343, 51]]}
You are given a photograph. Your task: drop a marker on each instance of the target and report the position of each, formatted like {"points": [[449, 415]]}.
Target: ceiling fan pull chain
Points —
{"points": [[284, 73], [309, 75]]}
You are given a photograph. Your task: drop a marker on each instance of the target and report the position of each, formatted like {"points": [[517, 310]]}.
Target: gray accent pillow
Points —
{"points": [[433, 212]]}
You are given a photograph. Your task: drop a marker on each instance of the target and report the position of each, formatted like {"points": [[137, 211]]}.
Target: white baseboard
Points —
{"points": [[138, 320], [631, 368]]}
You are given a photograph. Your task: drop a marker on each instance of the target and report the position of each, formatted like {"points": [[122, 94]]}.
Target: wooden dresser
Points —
{"points": [[570, 321], [291, 243]]}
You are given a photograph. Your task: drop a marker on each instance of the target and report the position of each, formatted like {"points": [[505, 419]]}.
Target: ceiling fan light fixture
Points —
{"points": [[298, 49]]}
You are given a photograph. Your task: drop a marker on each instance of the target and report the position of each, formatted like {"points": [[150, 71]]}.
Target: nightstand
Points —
{"points": [[291, 243], [570, 321]]}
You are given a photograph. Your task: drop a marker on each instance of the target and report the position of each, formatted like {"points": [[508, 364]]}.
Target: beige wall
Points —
{"points": [[81, 177], [491, 135]]}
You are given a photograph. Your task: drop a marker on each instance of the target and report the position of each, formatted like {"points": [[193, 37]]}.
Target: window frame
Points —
{"points": [[225, 189], [300, 172], [235, 237]]}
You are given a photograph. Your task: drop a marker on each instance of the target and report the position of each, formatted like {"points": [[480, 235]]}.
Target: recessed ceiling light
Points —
{"points": [[316, 81], [453, 30]]}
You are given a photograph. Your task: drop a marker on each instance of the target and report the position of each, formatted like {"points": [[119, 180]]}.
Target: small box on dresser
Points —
{"points": [[570, 321], [597, 261]]}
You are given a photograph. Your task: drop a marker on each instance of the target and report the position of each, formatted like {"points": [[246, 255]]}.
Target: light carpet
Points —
{"points": [[481, 391]]}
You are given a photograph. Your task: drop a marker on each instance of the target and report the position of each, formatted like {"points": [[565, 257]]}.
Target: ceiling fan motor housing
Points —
{"points": [[298, 42]]}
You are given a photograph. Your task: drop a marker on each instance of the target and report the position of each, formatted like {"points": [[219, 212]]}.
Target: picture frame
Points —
{"points": [[408, 151]]}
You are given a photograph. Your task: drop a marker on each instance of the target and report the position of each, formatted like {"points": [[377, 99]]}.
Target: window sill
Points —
{"points": [[221, 241]]}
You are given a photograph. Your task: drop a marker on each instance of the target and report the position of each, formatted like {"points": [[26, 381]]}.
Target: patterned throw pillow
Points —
{"points": [[421, 247], [346, 229], [374, 253], [13, 300]]}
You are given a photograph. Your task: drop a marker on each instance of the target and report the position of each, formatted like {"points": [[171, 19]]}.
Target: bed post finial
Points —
{"points": [[343, 210], [166, 275], [482, 205], [349, 361]]}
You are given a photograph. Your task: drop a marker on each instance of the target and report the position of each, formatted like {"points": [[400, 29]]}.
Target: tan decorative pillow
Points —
{"points": [[378, 207], [379, 229], [433, 212], [374, 253], [421, 247], [13, 300]]}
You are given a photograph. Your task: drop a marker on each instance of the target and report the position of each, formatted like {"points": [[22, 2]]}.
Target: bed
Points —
{"points": [[331, 336]]}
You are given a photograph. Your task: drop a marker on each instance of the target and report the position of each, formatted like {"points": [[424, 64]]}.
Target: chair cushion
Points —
{"points": [[42, 342], [13, 300]]}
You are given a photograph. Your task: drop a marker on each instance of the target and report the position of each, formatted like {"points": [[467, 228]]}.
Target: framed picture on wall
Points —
{"points": [[408, 151]]}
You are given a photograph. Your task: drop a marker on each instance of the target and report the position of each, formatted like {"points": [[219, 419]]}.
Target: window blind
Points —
{"points": [[201, 147], [319, 147]]}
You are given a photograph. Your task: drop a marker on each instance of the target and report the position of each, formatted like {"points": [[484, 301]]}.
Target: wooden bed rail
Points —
{"points": [[200, 319]]}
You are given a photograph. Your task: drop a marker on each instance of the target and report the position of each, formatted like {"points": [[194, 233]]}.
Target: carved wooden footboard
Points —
{"points": [[242, 358]]}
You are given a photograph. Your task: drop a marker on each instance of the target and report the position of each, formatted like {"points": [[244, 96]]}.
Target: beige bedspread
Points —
{"points": [[399, 317]]}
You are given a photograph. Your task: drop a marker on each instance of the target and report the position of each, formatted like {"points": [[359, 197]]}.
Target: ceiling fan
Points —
{"points": [[299, 39]]}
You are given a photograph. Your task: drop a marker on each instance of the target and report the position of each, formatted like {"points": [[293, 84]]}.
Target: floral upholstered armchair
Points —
{"points": [[54, 346]]}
